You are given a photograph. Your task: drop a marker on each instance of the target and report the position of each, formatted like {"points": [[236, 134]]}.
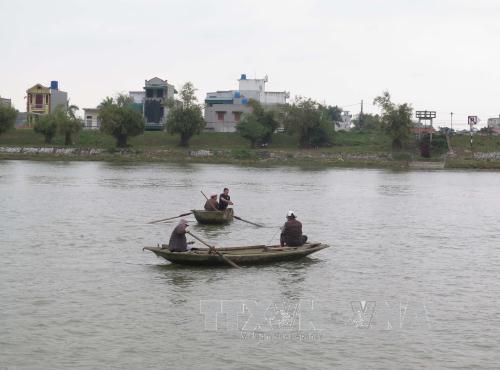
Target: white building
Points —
{"points": [[223, 109], [91, 119], [494, 122], [345, 124]]}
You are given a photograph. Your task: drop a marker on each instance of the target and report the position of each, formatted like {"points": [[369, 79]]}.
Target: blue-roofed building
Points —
{"points": [[224, 109]]}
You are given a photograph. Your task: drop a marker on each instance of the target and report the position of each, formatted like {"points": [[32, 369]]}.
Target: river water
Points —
{"points": [[411, 279]]}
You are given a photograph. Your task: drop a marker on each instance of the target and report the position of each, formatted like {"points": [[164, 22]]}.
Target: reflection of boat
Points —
{"points": [[250, 255], [213, 217]]}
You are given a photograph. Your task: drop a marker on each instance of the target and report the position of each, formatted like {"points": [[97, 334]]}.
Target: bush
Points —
{"points": [[242, 154], [7, 118]]}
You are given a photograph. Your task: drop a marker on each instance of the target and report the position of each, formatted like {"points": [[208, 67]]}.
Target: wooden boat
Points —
{"points": [[213, 217], [250, 255]]}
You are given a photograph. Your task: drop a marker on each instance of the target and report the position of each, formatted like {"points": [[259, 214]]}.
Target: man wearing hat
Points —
{"points": [[211, 204], [291, 233], [178, 242]]}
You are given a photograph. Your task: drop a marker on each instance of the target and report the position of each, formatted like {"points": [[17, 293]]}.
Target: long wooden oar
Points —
{"points": [[170, 218], [212, 248], [248, 222]]}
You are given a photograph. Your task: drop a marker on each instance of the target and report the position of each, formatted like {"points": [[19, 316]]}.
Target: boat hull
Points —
{"points": [[245, 256], [213, 217]]}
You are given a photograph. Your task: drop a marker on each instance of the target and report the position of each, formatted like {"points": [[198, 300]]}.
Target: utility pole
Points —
{"points": [[361, 115], [451, 121]]}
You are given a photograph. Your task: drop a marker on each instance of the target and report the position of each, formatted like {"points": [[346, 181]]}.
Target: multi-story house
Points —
{"points": [[156, 94], [224, 109], [42, 100], [494, 124], [91, 119], [7, 102]]}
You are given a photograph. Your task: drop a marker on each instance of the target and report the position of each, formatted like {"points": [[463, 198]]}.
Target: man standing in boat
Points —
{"points": [[291, 233], [224, 200], [211, 204], [178, 242]]}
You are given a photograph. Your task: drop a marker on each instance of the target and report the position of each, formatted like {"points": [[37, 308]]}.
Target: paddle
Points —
{"points": [[212, 248], [170, 218], [248, 222]]}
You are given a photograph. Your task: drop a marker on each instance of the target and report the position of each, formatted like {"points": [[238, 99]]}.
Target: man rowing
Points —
{"points": [[224, 200], [291, 233], [211, 204], [178, 242]]}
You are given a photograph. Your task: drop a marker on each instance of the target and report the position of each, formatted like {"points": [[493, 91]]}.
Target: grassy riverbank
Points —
{"points": [[350, 149]]}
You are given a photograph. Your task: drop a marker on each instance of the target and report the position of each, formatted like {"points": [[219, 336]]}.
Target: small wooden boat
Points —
{"points": [[213, 217], [250, 255]]}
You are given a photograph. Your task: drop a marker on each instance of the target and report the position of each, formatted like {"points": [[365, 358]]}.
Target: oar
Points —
{"points": [[204, 194], [248, 222], [212, 248], [170, 218]]}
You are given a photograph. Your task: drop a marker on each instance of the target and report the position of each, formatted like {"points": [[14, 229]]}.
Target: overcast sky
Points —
{"points": [[441, 55]]}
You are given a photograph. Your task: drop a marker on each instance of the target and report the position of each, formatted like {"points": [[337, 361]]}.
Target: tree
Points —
{"points": [[367, 123], [396, 119], [119, 119], [185, 117], [8, 117], [47, 126], [258, 125], [67, 122], [251, 129], [311, 121], [334, 112]]}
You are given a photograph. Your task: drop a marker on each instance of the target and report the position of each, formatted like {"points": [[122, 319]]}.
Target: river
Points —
{"points": [[411, 279]]}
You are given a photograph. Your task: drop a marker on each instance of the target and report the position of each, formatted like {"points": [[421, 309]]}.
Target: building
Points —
{"points": [[91, 119], [42, 100], [224, 109], [4, 101], [346, 123], [494, 124], [155, 95]]}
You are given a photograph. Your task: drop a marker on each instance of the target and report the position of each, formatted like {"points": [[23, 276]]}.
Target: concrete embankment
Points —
{"points": [[487, 160]]}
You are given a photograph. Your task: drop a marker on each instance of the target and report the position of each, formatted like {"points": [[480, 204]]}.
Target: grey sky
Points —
{"points": [[439, 55]]}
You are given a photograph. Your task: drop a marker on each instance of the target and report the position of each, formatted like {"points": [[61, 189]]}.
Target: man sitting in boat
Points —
{"points": [[224, 200], [291, 232], [178, 242], [211, 204]]}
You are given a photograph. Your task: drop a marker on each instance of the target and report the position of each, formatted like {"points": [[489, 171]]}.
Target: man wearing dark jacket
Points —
{"points": [[178, 242], [291, 233]]}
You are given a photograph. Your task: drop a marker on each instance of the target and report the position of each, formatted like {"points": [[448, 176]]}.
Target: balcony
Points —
{"points": [[39, 107]]}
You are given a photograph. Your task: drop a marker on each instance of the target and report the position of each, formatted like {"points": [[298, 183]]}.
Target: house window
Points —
{"points": [[38, 99], [220, 116], [46, 99], [149, 93], [237, 116], [159, 93]]}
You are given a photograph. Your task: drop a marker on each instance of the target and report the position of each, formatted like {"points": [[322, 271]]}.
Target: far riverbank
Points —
{"points": [[350, 149]]}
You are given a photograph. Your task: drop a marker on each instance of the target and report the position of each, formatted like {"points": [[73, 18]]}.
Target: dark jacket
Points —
{"points": [[292, 233], [178, 242]]}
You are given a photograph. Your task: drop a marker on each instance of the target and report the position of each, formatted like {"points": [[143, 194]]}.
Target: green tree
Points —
{"points": [[120, 120], [367, 123], [259, 125], [8, 117], [47, 126], [67, 122], [334, 112], [311, 121], [396, 119], [185, 117], [251, 129]]}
